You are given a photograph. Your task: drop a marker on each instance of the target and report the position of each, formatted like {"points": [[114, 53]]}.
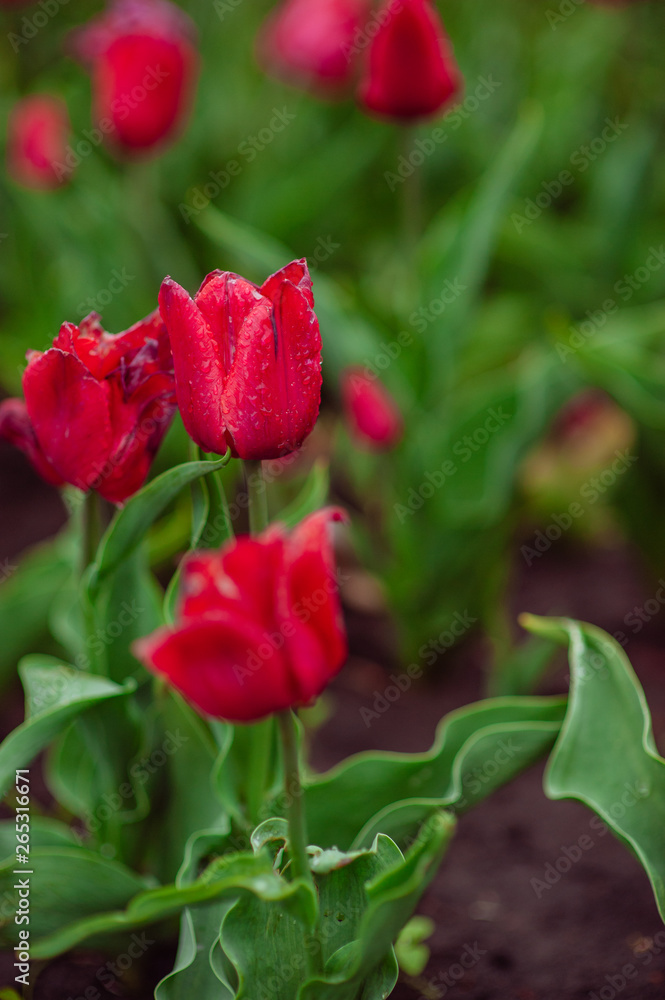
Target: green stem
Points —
{"points": [[261, 735], [296, 814], [258, 497], [412, 213], [91, 535], [92, 528], [258, 769]]}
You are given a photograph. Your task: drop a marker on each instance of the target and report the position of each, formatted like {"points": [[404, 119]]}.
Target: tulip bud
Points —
{"points": [[371, 411], [144, 66], [311, 43], [97, 406], [410, 71], [37, 141], [247, 361], [260, 626]]}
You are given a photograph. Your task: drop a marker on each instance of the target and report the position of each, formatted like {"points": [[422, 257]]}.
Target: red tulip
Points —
{"points": [[144, 66], [411, 71], [37, 141], [372, 412], [247, 361], [96, 407], [310, 43], [259, 628]]}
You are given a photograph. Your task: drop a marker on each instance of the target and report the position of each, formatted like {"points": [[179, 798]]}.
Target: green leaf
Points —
{"points": [[391, 897], [190, 803], [193, 974], [26, 598], [606, 755], [228, 876], [68, 884], [467, 257], [55, 694], [130, 524], [129, 606], [412, 954], [477, 749], [44, 832]]}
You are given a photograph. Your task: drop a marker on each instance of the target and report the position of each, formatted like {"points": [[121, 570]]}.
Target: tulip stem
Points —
{"points": [[261, 737], [412, 213], [92, 528], [257, 496], [260, 752], [293, 794]]}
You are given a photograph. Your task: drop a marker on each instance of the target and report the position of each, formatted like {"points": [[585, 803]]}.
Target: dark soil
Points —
{"points": [[593, 935]]}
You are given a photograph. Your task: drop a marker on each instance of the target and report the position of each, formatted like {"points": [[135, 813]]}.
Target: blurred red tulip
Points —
{"points": [[37, 136], [310, 43], [247, 361], [371, 411], [260, 627], [97, 406], [144, 67], [411, 71]]}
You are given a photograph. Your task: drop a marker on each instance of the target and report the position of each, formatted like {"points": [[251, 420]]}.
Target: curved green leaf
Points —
{"points": [[67, 884], [477, 748], [55, 694], [605, 755], [131, 523]]}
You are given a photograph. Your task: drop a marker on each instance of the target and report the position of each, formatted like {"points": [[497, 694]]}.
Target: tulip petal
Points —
{"points": [[241, 576], [309, 599], [411, 71], [102, 353], [226, 667], [297, 273], [198, 365], [273, 391], [226, 300], [16, 428], [69, 412]]}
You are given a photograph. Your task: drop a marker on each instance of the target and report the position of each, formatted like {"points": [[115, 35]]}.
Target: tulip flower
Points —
{"points": [[247, 361], [410, 72], [310, 43], [96, 406], [37, 141], [371, 411], [259, 626], [144, 65]]}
